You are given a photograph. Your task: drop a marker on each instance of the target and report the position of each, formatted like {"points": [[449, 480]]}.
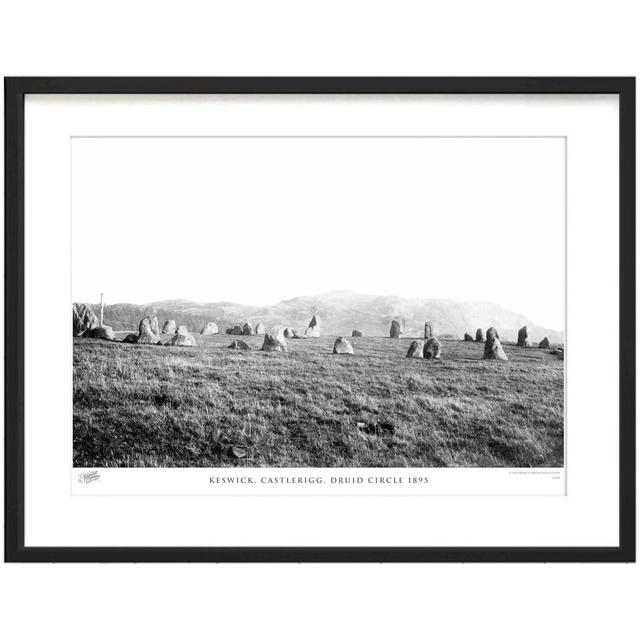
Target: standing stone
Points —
{"points": [[313, 330], [428, 330], [229, 331], [100, 333], [395, 331], [181, 338], [492, 348], [357, 334], [342, 345], [416, 349], [247, 329], [523, 337], [468, 338], [84, 318], [169, 326], [132, 338], [237, 330], [274, 342], [209, 329], [432, 349], [479, 335], [289, 333], [544, 343], [260, 330], [148, 330], [491, 332]]}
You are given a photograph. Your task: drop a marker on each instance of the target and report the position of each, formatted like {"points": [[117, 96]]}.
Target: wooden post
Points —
{"points": [[101, 308]]}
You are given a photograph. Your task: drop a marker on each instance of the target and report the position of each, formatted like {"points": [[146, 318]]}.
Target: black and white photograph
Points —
{"points": [[318, 301]]}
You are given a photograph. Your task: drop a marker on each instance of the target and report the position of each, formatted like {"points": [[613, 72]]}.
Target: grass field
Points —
{"points": [[147, 405]]}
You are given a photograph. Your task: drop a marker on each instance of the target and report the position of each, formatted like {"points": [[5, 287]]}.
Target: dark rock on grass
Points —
{"points": [[544, 343], [229, 331], [493, 349], [395, 330], [432, 349], [342, 346], [289, 333], [523, 337], [479, 335], [558, 352], [132, 338], [247, 329], [100, 333], [468, 338], [357, 334], [84, 318], [274, 343], [148, 330], [169, 326], [239, 344], [383, 428], [416, 349]]}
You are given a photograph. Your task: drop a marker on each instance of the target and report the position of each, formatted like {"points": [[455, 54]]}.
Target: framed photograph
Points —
{"points": [[320, 319]]}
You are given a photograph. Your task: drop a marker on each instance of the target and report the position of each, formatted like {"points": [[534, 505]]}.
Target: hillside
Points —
{"points": [[340, 312]]}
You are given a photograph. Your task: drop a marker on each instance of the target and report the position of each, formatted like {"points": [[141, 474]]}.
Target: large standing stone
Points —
{"points": [[181, 338], [209, 329], [432, 349], [396, 330], [491, 332], [100, 333], [342, 345], [416, 349], [237, 330], [313, 330], [260, 330], [247, 329], [289, 332], [493, 349], [83, 318], [428, 330], [468, 338], [148, 331], [523, 337], [169, 326], [479, 335], [356, 333], [274, 342], [544, 343]]}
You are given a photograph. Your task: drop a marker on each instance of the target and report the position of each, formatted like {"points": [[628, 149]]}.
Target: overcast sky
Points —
{"points": [[259, 220]]}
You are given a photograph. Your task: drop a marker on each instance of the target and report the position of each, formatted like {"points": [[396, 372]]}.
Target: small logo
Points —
{"points": [[88, 477]]}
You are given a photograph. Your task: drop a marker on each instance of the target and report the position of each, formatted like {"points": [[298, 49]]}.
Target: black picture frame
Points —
{"points": [[15, 91]]}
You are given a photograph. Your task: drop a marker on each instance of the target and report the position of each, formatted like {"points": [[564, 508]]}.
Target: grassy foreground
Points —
{"points": [[147, 405]]}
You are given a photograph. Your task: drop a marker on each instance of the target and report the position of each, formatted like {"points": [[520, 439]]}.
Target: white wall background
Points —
{"points": [[332, 38]]}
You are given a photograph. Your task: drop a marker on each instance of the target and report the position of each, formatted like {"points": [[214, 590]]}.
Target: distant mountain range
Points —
{"points": [[340, 312]]}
